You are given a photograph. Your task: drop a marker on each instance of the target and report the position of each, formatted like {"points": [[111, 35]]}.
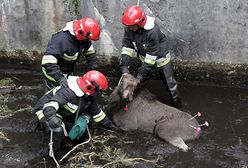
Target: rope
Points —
{"points": [[51, 152], [75, 147], [64, 129]]}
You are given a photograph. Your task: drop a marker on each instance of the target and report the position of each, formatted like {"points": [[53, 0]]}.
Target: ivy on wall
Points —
{"points": [[74, 6]]}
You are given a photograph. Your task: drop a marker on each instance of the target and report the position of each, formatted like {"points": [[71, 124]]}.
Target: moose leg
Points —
{"points": [[166, 132], [179, 142]]}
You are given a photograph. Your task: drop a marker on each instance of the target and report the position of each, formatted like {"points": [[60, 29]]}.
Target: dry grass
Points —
{"points": [[103, 155]]}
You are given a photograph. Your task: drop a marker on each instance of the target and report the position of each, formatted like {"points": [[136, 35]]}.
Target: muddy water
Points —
{"points": [[223, 144]]}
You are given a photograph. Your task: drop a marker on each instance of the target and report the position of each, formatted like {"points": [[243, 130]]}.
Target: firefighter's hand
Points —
{"points": [[124, 69], [45, 125], [54, 122], [138, 78], [63, 82]]}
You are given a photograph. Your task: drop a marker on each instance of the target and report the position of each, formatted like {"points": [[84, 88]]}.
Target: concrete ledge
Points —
{"points": [[230, 75]]}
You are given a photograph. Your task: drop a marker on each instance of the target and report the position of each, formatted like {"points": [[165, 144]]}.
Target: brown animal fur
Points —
{"points": [[147, 114]]}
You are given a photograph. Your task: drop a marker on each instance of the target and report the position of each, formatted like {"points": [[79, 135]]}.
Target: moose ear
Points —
{"points": [[114, 96]]}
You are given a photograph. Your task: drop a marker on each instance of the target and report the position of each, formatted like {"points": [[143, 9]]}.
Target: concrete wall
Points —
{"points": [[198, 30]]}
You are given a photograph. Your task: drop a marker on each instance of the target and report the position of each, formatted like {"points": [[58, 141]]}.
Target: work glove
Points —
{"points": [[108, 124], [45, 125], [55, 122], [124, 69], [139, 78], [63, 82]]}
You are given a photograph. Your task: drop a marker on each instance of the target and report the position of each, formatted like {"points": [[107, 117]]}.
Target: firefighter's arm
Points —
{"points": [[49, 63], [126, 52], [51, 70], [95, 110], [90, 55], [50, 108], [49, 111]]}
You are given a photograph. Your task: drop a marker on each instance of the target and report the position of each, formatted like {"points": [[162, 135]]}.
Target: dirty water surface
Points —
{"points": [[224, 144]]}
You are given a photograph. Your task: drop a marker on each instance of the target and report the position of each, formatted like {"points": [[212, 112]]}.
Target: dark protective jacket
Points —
{"points": [[64, 103], [149, 43], [62, 53]]}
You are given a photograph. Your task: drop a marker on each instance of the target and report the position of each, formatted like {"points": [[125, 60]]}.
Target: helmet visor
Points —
{"points": [[97, 87]]}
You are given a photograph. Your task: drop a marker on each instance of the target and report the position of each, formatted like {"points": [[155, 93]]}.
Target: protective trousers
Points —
{"points": [[166, 74]]}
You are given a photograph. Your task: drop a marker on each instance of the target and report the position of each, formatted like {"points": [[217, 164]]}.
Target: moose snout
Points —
{"points": [[127, 96]]}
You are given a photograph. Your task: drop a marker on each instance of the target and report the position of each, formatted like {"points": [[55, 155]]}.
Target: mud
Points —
{"points": [[223, 144]]}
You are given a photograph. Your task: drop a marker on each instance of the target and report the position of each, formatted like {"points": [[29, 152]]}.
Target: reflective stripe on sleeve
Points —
{"points": [[56, 89], [70, 57], [47, 76], [90, 51], [127, 51], [99, 117], [58, 115], [71, 107], [163, 61], [150, 59], [49, 59], [39, 114], [142, 58], [53, 104]]}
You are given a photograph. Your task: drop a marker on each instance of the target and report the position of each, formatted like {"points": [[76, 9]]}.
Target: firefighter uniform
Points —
{"points": [[61, 104], [152, 49], [61, 55]]}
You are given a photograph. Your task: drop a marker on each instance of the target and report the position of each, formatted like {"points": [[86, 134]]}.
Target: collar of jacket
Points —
{"points": [[69, 27], [72, 83], [150, 22]]}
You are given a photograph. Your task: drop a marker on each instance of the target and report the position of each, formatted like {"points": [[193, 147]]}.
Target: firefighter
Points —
{"points": [[143, 35], [65, 48], [59, 105]]}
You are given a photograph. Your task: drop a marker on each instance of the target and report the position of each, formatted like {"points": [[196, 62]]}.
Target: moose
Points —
{"points": [[145, 113]]}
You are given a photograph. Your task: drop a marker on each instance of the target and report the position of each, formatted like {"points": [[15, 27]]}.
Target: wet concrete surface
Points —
{"points": [[223, 144]]}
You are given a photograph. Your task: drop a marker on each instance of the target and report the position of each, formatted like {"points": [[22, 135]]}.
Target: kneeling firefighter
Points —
{"points": [[60, 105]]}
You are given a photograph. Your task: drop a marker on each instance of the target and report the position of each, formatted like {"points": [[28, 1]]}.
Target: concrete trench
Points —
{"points": [[219, 93]]}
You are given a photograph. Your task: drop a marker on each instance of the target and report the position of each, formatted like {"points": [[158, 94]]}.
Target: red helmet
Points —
{"points": [[92, 81], [133, 15], [86, 28]]}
